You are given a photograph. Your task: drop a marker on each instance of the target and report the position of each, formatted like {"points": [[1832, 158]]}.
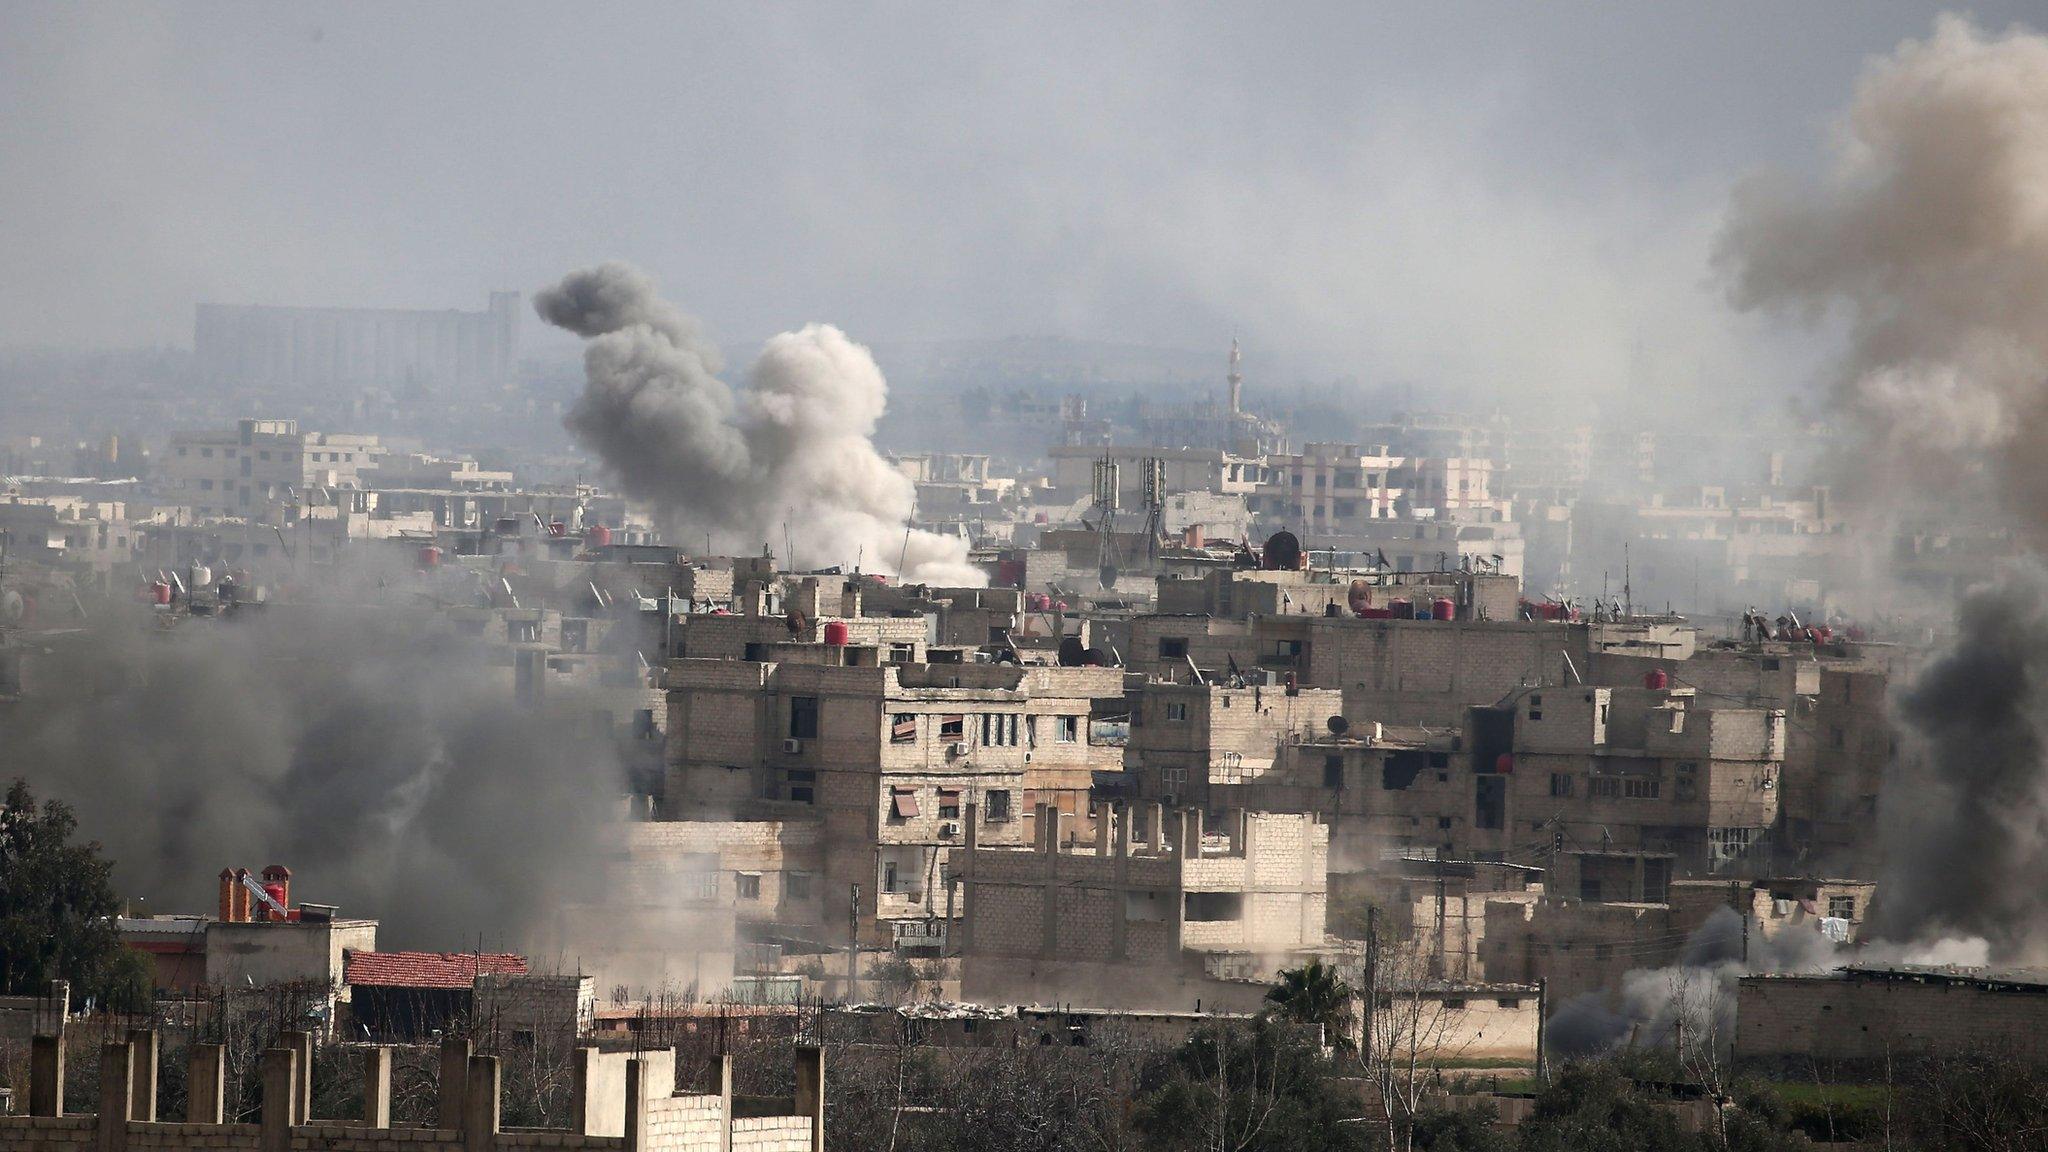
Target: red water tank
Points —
{"points": [[1504, 763], [1444, 609], [1656, 680], [160, 592], [430, 557], [277, 892], [557, 528], [836, 633], [598, 536]]}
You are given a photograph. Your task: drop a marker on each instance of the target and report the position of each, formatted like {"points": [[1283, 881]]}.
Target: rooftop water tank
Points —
{"points": [[1656, 680], [836, 633]]}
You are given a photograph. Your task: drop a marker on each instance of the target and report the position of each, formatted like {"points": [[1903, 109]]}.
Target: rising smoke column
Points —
{"points": [[1929, 238], [794, 446]]}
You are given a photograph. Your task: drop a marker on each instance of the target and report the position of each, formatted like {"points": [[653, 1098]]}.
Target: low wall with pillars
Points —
{"points": [[649, 1115]]}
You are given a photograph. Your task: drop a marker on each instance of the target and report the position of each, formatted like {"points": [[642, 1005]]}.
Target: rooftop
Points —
{"points": [[428, 969]]}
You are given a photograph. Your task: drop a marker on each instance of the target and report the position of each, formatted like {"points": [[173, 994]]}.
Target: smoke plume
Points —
{"points": [[373, 749], [791, 448], [1929, 240]]}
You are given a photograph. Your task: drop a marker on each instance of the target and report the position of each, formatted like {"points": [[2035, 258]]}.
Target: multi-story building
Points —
{"points": [[262, 470], [888, 758], [1188, 739], [1124, 918], [388, 349]]}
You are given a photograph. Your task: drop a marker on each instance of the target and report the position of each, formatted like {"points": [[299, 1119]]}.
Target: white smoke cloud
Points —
{"points": [[791, 451]]}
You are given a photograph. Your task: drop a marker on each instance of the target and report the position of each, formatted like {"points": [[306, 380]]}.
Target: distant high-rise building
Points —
{"points": [[404, 351]]}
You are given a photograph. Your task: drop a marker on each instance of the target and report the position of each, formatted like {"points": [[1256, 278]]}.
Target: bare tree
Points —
{"points": [[1411, 1031]]}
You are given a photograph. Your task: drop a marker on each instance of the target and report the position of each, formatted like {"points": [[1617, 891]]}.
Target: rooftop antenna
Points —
{"points": [[1628, 599], [1236, 377]]}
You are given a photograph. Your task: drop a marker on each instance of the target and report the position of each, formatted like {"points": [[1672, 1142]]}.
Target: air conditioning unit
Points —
{"points": [[948, 831], [957, 748], [792, 746]]}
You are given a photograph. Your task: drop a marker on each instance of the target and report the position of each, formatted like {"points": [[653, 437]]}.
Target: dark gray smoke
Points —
{"points": [[1930, 240], [1978, 823], [1698, 992], [373, 750], [792, 451]]}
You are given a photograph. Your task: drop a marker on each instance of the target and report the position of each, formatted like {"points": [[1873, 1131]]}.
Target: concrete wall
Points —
{"points": [[1864, 1018], [635, 1098]]}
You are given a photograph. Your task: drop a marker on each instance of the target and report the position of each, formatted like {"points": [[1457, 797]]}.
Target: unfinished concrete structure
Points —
{"points": [[619, 1105], [1122, 921]]}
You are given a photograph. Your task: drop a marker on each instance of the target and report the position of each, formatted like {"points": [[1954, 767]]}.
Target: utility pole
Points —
{"points": [[1372, 980], [853, 946], [1542, 1009], [1436, 962]]}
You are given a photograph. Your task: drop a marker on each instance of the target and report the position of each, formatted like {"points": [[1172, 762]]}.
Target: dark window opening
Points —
{"points": [[1213, 906], [1333, 771], [1401, 768], [1490, 801], [1173, 647], [803, 717]]}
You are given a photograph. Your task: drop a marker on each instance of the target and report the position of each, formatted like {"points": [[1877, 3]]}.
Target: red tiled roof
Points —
{"points": [[428, 969]]}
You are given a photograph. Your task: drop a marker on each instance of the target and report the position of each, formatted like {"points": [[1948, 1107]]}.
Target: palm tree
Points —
{"points": [[1315, 994]]}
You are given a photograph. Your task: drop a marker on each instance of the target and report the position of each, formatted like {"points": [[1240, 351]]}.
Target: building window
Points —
{"points": [[1603, 787], [1842, 907], [904, 729], [796, 885], [953, 727], [1333, 771], [1173, 647], [1560, 784], [746, 885], [1443, 822], [207, 453], [998, 730], [1068, 730], [949, 803], [902, 803], [1639, 789], [181, 449], [888, 876], [997, 801], [1177, 712], [803, 717], [264, 455], [1213, 906], [1172, 781], [701, 885]]}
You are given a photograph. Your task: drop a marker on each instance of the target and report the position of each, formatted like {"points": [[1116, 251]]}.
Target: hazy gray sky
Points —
{"points": [[1518, 195]]}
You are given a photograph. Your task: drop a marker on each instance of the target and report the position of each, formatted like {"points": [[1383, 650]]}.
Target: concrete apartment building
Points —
{"points": [[1400, 671], [888, 760], [1187, 740], [1543, 771], [1122, 920], [262, 469], [401, 351], [1331, 489]]}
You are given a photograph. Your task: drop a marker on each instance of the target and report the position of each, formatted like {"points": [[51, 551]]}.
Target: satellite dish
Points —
{"points": [[1108, 574], [1073, 653], [1339, 725]]}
